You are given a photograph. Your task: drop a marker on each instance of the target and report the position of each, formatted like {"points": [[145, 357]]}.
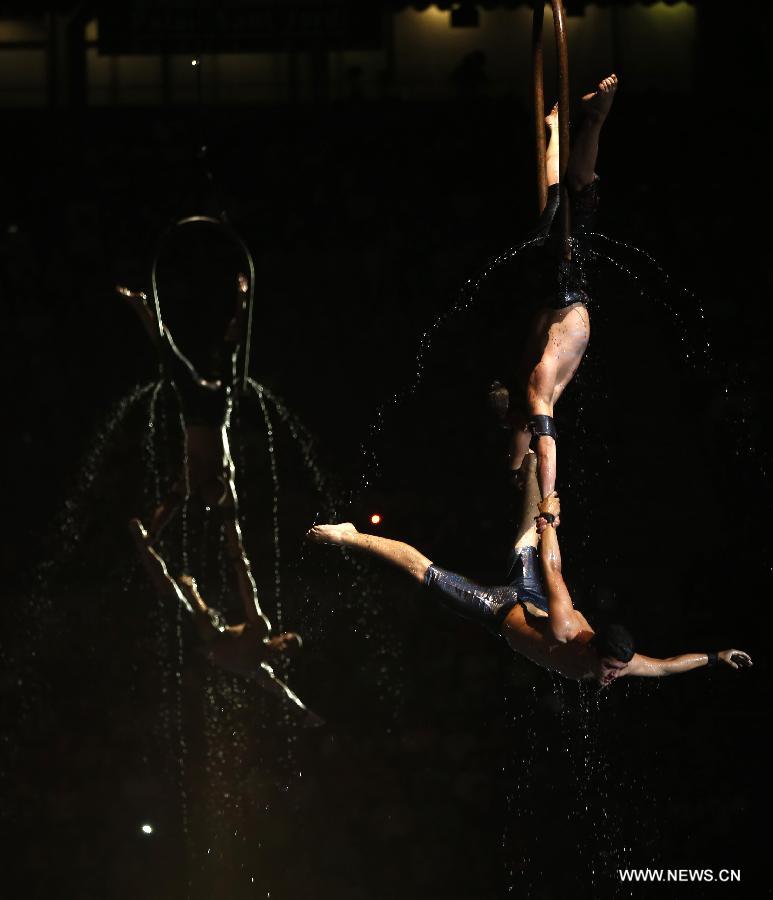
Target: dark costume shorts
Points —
{"points": [[583, 206], [564, 283], [489, 606]]}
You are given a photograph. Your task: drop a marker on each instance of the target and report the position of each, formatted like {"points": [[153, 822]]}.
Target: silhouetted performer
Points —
{"points": [[533, 611], [560, 329], [244, 649], [208, 470]]}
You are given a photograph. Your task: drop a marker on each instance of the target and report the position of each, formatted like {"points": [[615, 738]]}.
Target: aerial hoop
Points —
{"points": [[229, 231], [538, 77]]}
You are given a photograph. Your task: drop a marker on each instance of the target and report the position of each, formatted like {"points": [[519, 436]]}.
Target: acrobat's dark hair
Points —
{"points": [[614, 641]]}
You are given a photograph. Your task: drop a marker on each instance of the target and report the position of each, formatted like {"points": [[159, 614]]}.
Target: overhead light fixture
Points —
{"points": [[465, 15]]}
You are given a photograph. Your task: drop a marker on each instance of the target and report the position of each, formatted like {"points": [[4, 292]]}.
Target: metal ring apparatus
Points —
{"points": [[229, 231], [538, 78]]}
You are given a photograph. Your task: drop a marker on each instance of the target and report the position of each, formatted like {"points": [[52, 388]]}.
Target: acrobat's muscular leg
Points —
{"points": [[582, 162], [239, 562], [552, 170], [484, 605], [399, 554]]}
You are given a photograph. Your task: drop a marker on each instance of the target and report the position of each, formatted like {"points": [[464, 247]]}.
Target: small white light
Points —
{"points": [[147, 829], [194, 62]]}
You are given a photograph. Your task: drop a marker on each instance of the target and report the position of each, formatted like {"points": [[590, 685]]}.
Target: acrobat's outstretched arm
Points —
{"points": [[562, 618], [138, 301], [649, 667]]}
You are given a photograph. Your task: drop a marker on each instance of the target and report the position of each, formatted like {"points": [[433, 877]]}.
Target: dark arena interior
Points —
{"points": [[361, 164]]}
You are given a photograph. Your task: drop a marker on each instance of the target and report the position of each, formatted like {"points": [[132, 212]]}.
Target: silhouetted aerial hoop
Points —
{"points": [[538, 77], [229, 231]]}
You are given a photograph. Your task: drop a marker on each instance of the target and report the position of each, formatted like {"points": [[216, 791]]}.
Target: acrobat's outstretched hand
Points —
{"points": [[340, 535], [737, 659]]}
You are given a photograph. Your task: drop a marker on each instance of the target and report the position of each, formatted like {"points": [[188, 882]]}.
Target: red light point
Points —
{"points": [[375, 519]]}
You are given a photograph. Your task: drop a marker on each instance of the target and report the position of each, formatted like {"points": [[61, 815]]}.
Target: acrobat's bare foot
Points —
{"points": [[551, 119], [597, 104], [285, 645], [332, 534]]}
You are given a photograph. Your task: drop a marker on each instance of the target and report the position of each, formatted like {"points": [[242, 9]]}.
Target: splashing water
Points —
{"points": [[604, 845], [375, 629], [464, 302], [219, 728], [70, 521], [583, 252], [66, 536], [304, 441], [274, 505]]}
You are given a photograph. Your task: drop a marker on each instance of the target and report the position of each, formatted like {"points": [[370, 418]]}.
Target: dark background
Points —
{"points": [[446, 767]]}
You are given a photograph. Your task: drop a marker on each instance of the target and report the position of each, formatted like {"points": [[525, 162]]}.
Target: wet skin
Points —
{"points": [[560, 640], [530, 635], [558, 337]]}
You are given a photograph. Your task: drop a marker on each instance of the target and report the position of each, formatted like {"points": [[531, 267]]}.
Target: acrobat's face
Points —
{"points": [[610, 669]]}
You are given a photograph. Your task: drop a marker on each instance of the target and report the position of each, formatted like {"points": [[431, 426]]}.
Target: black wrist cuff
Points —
{"points": [[713, 658], [548, 517]]}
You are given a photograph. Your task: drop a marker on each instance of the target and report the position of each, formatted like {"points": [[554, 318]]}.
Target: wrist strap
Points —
{"points": [[548, 517], [713, 658]]}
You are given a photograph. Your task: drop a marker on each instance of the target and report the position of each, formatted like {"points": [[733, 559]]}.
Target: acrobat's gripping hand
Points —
{"points": [[549, 512], [737, 659]]}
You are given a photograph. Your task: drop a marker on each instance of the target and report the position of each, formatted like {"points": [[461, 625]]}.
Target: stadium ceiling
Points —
{"points": [[570, 5], [38, 7]]}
